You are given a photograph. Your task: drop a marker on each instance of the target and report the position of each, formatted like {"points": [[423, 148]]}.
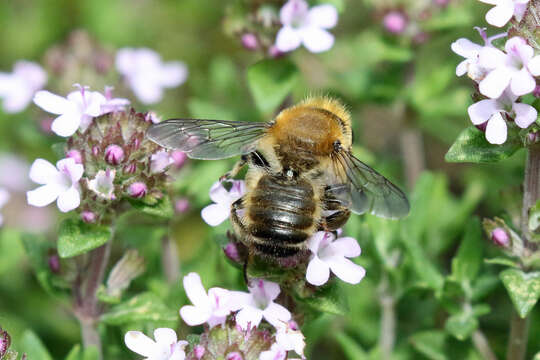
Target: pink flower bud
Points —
{"points": [[88, 217], [75, 155], [536, 91], [114, 154], [532, 137], [130, 168], [250, 41], [95, 150], [54, 263], [231, 251], [293, 325], [199, 351], [442, 2], [274, 52], [500, 237], [45, 125], [395, 22], [234, 356], [181, 205], [137, 190], [5, 342], [179, 158]]}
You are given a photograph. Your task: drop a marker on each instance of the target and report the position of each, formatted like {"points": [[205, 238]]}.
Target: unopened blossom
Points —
{"points": [[54, 263], [147, 75], [18, 87], [114, 154], [181, 205], [4, 198], [500, 237], [517, 68], [492, 112], [102, 184], [75, 155], [217, 213], [76, 110], [250, 41], [111, 103], [160, 161], [305, 26], [235, 355], [60, 184], [395, 22], [5, 342], [258, 304], [504, 10], [137, 190], [329, 253], [211, 308], [88, 217], [165, 347]]}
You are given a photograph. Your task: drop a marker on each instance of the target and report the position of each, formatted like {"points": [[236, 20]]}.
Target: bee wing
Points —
{"points": [[208, 139], [365, 190]]}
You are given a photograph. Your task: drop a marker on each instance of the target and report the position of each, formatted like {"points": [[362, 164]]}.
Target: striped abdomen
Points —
{"points": [[281, 215]]}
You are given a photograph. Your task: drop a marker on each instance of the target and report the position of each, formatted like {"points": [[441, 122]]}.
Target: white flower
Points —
{"points": [[4, 198], [112, 104], [504, 10], [212, 308], [147, 75], [165, 347], [332, 255], [517, 68], [160, 161], [76, 110], [60, 183], [290, 339], [302, 25], [102, 184], [259, 304], [18, 87], [276, 352], [492, 111], [217, 213], [14, 173]]}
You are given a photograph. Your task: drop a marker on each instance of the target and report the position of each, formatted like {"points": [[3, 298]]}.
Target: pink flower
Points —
{"points": [[76, 110], [114, 154], [60, 183], [330, 253], [517, 68], [147, 75], [103, 184], [160, 161], [212, 308], [137, 190], [259, 304], [492, 110], [217, 213], [302, 25], [500, 237], [75, 155], [18, 88], [395, 22], [113, 104], [4, 198], [504, 10], [165, 347]]}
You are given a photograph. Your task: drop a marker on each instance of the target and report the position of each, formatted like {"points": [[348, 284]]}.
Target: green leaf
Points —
{"points": [[461, 325], [430, 344], [36, 247], [76, 237], [523, 288], [537, 356], [534, 221], [74, 353], [143, 307], [328, 298], [33, 347], [466, 264], [270, 81], [91, 353], [350, 347], [472, 146], [502, 261], [162, 208]]}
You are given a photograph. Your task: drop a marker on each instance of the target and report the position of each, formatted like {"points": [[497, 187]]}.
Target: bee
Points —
{"points": [[302, 176]]}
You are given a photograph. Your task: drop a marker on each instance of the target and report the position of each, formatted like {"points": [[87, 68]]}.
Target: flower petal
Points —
{"points": [[317, 40], [42, 171], [165, 336], [195, 290], [525, 114], [146, 89], [288, 39], [324, 16], [94, 101], [137, 342], [317, 272], [73, 170], [522, 82], [173, 73], [215, 214], [239, 299], [462, 68], [293, 10], [51, 103], [491, 58], [69, 200], [263, 290], [43, 195], [495, 82], [276, 314], [534, 65], [218, 193], [194, 315], [481, 111], [346, 246], [67, 124], [496, 131], [346, 270], [314, 241], [466, 48], [501, 13], [249, 315], [518, 48]]}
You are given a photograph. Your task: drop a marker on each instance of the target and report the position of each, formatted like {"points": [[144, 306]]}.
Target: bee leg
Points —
{"points": [[236, 169]]}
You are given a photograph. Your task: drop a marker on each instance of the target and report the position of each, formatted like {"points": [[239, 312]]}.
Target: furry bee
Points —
{"points": [[301, 178]]}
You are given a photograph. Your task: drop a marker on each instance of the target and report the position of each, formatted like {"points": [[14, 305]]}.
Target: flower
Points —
{"points": [[258, 304], [75, 155], [147, 75], [235, 355], [212, 308], [160, 161], [217, 213], [181, 205], [4, 198], [114, 154], [250, 41], [330, 253], [289, 339], [76, 110], [276, 352], [113, 104], [302, 25], [137, 190], [395, 22], [492, 110], [13, 172], [18, 88], [504, 10], [165, 347], [60, 183], [88, 217], [103, 185], [5, 342], [179, 158], [500, 237], [517, 68]]}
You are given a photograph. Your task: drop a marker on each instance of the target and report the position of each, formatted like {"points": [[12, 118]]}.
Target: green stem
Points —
{"points": [[482, 345], [387, 335], [519, 331]]}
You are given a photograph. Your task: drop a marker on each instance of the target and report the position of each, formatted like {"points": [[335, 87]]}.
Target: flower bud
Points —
{"points": [[95, 150], [234, 356], [231, 251], [199, 351], [250, 41], [126, 269], [5, 342], [130, 168], [75, 155], [54, 263], [395, 22], [293, 325], [274, 52], [532, 137], [137, 190], [179, 158], [114, 154], [500, 237], [88, 217], [181, 205]]}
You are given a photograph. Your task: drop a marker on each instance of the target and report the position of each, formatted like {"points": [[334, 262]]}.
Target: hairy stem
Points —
{"points": [[482, 346], [412, 150], [519, 331], [169, 260], [387, 335]]}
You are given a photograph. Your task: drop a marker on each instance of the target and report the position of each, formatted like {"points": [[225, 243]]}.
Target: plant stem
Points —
{"points": [[519, 331], [482, 346], [169, 260], [412, 150], [387, 335]]}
